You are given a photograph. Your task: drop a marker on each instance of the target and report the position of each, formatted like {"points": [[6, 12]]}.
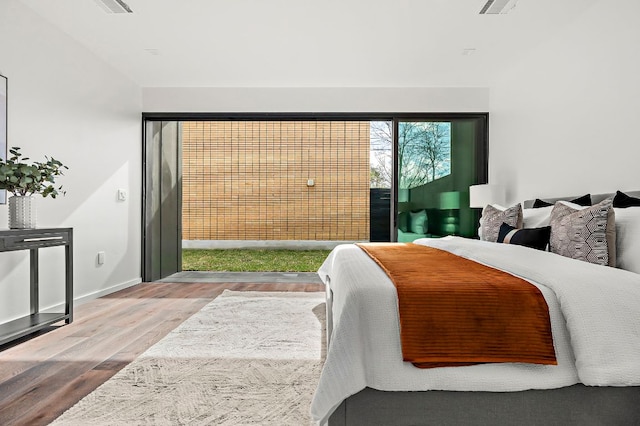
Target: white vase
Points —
{"points": [[22, 212]]}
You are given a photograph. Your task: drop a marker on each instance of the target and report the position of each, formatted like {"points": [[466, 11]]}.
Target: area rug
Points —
{"points": [[247, 358]]}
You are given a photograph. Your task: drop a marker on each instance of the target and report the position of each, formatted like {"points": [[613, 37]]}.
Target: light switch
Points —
{"points": [[122, 195]]}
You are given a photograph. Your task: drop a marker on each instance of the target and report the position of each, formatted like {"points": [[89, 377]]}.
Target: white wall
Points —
{"points": [[67, 103], [324, 99], [563, 120]]}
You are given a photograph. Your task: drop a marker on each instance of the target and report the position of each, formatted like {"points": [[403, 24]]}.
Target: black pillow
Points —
{"points": [[623, 200], [585, 200], [537, 238], [539, 203]]}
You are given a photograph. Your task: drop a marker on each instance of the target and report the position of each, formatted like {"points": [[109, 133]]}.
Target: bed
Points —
{"points": [[595, 321]]}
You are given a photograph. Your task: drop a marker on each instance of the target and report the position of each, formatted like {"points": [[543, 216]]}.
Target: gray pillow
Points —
{"points": [[492, 218], [586, 234]]}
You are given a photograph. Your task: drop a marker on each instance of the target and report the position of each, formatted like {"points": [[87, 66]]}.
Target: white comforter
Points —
{"points": [[594, 311]]}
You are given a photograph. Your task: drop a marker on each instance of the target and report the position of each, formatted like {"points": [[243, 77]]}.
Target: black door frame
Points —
{"points": [[482, 150]]}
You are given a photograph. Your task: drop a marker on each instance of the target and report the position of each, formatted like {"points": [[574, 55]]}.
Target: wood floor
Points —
{"points": [[44, 375]]}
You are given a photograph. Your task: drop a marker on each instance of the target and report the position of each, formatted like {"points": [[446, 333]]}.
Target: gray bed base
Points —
{"points": [[574, 405]]}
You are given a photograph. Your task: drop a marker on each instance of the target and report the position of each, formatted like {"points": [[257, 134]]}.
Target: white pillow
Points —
{"points": [[541, 216], [536, 218], [628, 239]]}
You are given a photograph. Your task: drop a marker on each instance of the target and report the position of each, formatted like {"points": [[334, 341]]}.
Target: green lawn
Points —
{"points": [[267, 260]]}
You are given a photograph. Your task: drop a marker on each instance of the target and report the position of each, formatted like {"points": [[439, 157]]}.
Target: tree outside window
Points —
{"points": [[424, 153]]}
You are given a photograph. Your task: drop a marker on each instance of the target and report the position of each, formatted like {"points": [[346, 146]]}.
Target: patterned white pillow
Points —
{"points": [[493, 217], [586, 234]]}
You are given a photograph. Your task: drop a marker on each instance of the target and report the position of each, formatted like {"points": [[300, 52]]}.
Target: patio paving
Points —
{"points": [[242, 277]]}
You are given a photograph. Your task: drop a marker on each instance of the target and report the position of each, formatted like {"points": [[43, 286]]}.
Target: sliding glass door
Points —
{"points": [[333, 177], [436, 162], [381, 180], [162, 200]]}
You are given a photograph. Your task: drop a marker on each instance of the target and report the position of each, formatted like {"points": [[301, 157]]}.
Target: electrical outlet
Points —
{"points": [[100, 258]]}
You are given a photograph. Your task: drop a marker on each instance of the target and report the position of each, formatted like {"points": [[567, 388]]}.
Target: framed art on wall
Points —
{"points": [[3, 127]]}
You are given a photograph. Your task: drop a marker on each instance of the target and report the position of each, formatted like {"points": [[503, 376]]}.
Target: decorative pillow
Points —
{"points": [[403, 221], [538, 203], [492, 218], [622, 200], [418, 222], [537, 238], [536, 218], [496, 206], [585, 200], [586, 234], [628, 239]]}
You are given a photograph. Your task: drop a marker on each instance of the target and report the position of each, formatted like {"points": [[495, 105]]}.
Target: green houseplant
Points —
{"points": [[24, 180]]}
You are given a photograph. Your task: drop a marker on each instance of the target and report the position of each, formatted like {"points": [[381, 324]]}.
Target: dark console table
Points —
{"points": [[33, 240]]}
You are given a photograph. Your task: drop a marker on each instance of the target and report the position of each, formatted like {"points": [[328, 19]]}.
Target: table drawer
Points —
{"points": [[33, 240]]}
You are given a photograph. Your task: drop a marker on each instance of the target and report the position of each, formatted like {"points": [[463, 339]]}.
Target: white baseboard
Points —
{"points": [[88, 297]]}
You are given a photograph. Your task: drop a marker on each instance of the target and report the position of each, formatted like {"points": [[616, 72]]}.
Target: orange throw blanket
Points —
{"points": [[454, 311]]}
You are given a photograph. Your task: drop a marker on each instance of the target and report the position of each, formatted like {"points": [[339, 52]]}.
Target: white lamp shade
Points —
{"points": [[481, 195]]}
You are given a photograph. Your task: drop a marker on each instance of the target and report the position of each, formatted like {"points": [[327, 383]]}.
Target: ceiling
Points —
{"points": [[329, 43]]}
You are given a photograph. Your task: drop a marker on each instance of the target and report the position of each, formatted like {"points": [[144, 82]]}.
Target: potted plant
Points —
{"points": [[24, 180]]}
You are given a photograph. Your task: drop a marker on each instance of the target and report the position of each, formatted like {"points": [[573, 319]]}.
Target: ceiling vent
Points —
{"points": [[114, 6], [495, 7]]}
